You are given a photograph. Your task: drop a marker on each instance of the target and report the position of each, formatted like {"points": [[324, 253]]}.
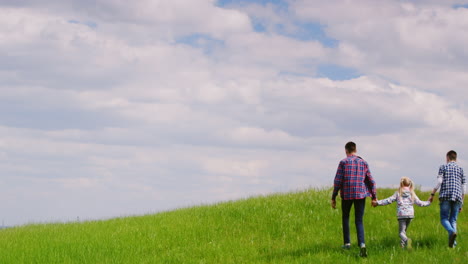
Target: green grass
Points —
{"points": [[297, 227]]}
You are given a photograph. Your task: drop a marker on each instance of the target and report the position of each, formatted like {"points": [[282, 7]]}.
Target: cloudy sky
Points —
{"points": [[112, 108]]}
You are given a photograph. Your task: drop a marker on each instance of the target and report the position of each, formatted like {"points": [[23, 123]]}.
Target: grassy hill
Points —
{"points": [[297, 227]]}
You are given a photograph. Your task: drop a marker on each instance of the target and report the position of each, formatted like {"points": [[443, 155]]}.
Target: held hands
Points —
{"points": [[430, 199], [333, 203]]}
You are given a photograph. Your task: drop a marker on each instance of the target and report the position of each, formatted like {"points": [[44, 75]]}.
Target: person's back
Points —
{"points": [[354, 182], [452, 183]]}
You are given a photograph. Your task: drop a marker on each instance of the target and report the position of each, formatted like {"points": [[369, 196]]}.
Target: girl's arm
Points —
{"points": [[389, 200], [421, 203]]}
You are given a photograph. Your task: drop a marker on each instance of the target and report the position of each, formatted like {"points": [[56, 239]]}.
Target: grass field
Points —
{"points": [[297, 227]]}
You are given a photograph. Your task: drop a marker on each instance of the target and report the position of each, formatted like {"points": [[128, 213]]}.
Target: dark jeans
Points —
{"points": [[359, 206]]}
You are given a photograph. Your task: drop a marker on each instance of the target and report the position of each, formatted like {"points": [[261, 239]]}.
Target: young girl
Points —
{"points": [[405, 198]]}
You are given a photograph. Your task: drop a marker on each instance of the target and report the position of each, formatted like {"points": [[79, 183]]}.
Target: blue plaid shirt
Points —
{"points": [[453, 181]]}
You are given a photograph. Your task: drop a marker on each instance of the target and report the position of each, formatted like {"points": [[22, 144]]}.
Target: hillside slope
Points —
{"points": [[297, 227]]}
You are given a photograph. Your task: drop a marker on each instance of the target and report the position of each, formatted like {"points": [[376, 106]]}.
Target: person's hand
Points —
{"points": [[430, 198], [374, 203], [333, 204]]}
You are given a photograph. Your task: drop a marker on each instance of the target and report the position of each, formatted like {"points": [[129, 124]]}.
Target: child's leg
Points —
{"points": [[402, 223], [408, 222], [408, 240]]}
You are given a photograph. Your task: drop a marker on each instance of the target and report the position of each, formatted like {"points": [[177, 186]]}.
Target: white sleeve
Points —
{"points": [[440, 179]]}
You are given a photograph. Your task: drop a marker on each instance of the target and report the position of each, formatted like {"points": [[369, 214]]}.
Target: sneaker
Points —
{"points": [[452, 239], [346, 246], [409, 243], [363, 252]]}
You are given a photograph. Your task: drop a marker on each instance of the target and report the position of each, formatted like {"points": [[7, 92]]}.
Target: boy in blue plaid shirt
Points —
{"points": [[452, 183]]}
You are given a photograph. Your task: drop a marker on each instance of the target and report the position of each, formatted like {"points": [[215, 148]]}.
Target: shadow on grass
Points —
{"points": [[324, 250], [390, 243], [312, 252]]}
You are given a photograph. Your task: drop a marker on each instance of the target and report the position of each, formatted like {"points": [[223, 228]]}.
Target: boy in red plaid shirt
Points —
{"points": [[354, 182]]}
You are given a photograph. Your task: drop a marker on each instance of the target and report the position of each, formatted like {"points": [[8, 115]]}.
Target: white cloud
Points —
{"points": [[126, 112], [417, 44]]}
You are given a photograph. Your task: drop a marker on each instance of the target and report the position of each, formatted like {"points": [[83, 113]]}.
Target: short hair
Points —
{"points": [[452, 155], [350, 147]]}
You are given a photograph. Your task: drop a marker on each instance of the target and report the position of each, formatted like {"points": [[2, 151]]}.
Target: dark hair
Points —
{"points": [[350, 147], [452, 155]]}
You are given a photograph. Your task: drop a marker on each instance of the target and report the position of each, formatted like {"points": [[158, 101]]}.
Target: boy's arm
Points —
{"points": [[440, 179], [388, 200], [369, 180], [463, 186], [337, 184], [338, 180]]}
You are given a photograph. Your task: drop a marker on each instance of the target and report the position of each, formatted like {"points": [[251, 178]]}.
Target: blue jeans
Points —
{"points": [[448, 215], [359, 206]]}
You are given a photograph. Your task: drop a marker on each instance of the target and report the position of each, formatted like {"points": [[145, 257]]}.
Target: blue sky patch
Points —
{"points": [[304, 31], [258, 25], [336, 72], [457, 6], [202, 41], [279, 3], [90, 24], [310, 31]]}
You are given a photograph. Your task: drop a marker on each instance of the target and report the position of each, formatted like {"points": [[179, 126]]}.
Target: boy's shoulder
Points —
{"points": [[361, 160], [353, 158], [442, 167], [450, 165]]}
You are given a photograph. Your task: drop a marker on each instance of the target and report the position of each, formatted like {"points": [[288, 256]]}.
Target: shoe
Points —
{"points": [[346, 246], [363, 252], [452, 239], [409, 243]]}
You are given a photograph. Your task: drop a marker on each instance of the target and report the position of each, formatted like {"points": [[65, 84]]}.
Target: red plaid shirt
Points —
{"points": [[353, 179]]}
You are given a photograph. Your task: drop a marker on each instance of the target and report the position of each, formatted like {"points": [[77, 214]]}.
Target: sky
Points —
{"points": [[111, 108]]}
